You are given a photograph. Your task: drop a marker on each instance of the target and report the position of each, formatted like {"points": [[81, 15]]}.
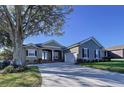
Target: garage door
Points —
{"points": [[70, 57]]}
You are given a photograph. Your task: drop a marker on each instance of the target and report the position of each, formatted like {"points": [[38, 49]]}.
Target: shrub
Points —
{"points": [[12, 69], [5, 63], [105, 59], [8, 69], [21, 68], [27, 61], [79, 61], [82, 61], [6, 54], [1, 66], [39, 60], [35, 61]]}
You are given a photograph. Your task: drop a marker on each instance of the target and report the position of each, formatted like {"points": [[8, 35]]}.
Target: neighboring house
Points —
{"points": [[116, 51], [88, 49], [51, 51]]}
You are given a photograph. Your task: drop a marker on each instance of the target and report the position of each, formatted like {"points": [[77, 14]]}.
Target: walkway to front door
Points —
{"points": [[68, 75]]}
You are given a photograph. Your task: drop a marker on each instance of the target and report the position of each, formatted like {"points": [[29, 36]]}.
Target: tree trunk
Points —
{"points": [[17, 52], [18, 44]]}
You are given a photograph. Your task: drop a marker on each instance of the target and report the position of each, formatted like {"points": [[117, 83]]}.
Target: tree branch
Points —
{"points": [[10, 22], [8, 16]]}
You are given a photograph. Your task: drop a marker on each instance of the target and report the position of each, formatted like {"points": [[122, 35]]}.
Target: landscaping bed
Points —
{"points": [[27, 78], [116, 66]]}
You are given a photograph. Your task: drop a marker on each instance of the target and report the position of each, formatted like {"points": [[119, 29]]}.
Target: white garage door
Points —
{"points": [[70, 57]]}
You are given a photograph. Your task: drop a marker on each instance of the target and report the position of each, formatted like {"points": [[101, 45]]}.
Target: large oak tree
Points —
{"points": [[21, 22]]}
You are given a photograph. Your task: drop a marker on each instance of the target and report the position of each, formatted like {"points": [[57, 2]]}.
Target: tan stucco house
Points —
{"points": [[51, 51]]}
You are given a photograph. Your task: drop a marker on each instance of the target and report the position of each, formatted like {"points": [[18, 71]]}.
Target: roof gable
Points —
{"points": [[30, 45], [52, 43], [86, 40], [93, 39]]}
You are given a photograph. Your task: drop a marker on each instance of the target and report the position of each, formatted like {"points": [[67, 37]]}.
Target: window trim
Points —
{"points": [[97, 56], [85, 49], [34, 50]]}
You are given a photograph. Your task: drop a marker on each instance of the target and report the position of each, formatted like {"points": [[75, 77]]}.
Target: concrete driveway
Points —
{"points": [[68, 75]]}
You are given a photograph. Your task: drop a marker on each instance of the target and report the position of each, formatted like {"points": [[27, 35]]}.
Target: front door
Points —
{"points": [[57, 55], [46, 55]]}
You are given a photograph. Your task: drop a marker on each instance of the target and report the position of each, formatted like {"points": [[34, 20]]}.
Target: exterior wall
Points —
{"points": [[92, 46], [39, 53], [29, 59], [117, 53], [75, 50]]}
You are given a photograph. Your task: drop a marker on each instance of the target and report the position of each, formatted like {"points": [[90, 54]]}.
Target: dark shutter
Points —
{"points": [[82, 52], [88, 53], [35, 53], [94, 53], [106, 54], [26, 52]]}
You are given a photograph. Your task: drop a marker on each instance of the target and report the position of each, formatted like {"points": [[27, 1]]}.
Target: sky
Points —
{"points": [[105, 23]]}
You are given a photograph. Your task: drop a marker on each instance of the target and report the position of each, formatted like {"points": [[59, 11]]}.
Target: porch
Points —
{"points": [[44, 56], [52, 55]]}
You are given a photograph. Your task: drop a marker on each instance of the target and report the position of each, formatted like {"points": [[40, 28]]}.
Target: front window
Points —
{"points": [[31, 53], [85, 53], [97, 53]]}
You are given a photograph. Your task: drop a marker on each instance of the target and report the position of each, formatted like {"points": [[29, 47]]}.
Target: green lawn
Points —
{"points": [[28, 78], [116, 66]]}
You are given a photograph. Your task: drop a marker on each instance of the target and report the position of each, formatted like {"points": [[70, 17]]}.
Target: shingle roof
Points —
{"points": [[116, 47], [39, 45], [42, 44], [83, 41]]}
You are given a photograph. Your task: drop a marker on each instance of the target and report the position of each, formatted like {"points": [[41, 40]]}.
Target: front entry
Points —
{"points": [[51, 55], [57, 55], [47, 55]]}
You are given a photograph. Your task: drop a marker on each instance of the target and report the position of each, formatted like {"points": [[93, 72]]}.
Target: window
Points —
{"points": [[97, 53], [31, 53], [85, 53]]}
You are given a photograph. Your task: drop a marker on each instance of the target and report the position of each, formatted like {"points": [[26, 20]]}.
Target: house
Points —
{"points": [[51, 51], [116, 51], [88, 49]]}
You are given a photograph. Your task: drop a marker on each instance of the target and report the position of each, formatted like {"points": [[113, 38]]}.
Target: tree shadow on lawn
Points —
{"points": [[99, 75]]}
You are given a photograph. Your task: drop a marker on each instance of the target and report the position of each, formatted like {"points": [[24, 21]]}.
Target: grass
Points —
{"points": [[28, 78], [116, 66]]}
